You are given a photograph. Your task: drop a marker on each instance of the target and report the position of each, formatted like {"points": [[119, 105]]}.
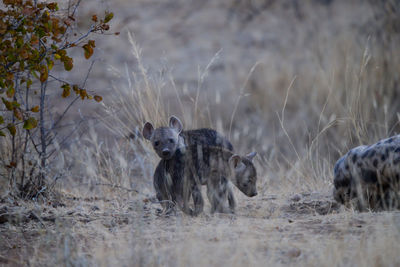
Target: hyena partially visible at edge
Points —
{"points": [[368, 177], [171, 144]]}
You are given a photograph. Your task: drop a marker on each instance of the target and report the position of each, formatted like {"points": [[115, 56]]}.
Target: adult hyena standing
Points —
{"points": [[368, 177]]}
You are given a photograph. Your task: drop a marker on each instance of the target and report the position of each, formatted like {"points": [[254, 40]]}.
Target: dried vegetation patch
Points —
{"points": [[300, 82], [121, 231]]}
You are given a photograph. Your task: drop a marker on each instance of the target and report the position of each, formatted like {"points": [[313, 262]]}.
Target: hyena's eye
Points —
{"points": [[156, 143], [171, 140]]}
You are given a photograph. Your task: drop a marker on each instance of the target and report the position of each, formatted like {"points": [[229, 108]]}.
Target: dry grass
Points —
{"points": [[298, 83]]}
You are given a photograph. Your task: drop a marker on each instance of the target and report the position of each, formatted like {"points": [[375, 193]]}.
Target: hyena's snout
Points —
{"points": [[253, 194], [249, 191], [166, 153]]}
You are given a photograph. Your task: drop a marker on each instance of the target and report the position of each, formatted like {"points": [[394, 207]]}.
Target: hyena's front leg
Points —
{"points": [[162, 185], [231, 197]]}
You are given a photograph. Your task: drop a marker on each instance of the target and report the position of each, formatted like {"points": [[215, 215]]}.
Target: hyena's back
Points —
{"points": [[370, 175], [206, 137]]}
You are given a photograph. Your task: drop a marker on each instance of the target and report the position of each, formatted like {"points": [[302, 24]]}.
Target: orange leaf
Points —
{"points": [[18, 114], [35, 109], [88, 50], [92, 43], [75, 88], [98, 98], [68, 64], [52, 6], [44, 74], [9, 76], [66, 91], [83, 94]]}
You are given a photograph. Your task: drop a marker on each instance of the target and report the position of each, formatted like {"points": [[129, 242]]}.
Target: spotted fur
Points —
{"points": [[368, 177]]}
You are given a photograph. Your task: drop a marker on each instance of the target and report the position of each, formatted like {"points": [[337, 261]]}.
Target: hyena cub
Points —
{"points": [[218, 164], [170, 143], [368, 177]]}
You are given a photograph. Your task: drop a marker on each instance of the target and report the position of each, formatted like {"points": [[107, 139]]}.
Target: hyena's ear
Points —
{"points": [[175, 123], [234, 161], [148, 130], [251, 155]]}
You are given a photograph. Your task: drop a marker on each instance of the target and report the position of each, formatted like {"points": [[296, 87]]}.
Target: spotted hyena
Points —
{"points": [[219, 164], [368, 177], [178, 178], [174, 146]]}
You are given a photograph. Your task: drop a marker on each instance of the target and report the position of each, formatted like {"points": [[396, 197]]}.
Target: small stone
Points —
{"points": [[295, 198], [294, 253], [95, 207]]}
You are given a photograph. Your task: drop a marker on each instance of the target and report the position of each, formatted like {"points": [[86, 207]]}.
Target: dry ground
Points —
{"points": [[300, 82], [302, 230]]}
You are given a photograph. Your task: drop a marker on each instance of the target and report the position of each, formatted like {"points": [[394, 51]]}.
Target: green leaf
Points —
{"points": [[50, 63], [34, 73], [1, 120], [66, 90], [68, 64], [30, 123], [108, 17], [28, 83], [16, 104], [10, 91], [8, 104], [11, 128]]}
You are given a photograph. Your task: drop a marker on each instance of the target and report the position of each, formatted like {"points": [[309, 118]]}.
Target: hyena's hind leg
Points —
{"points": [[218, 193], [197, 199]]}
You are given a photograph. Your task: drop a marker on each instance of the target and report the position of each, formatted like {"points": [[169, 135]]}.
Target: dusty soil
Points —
{"points": [[304, 229]]}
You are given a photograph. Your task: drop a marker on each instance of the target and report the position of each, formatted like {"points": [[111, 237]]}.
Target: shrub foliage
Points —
{"points": [[35, 36]]}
